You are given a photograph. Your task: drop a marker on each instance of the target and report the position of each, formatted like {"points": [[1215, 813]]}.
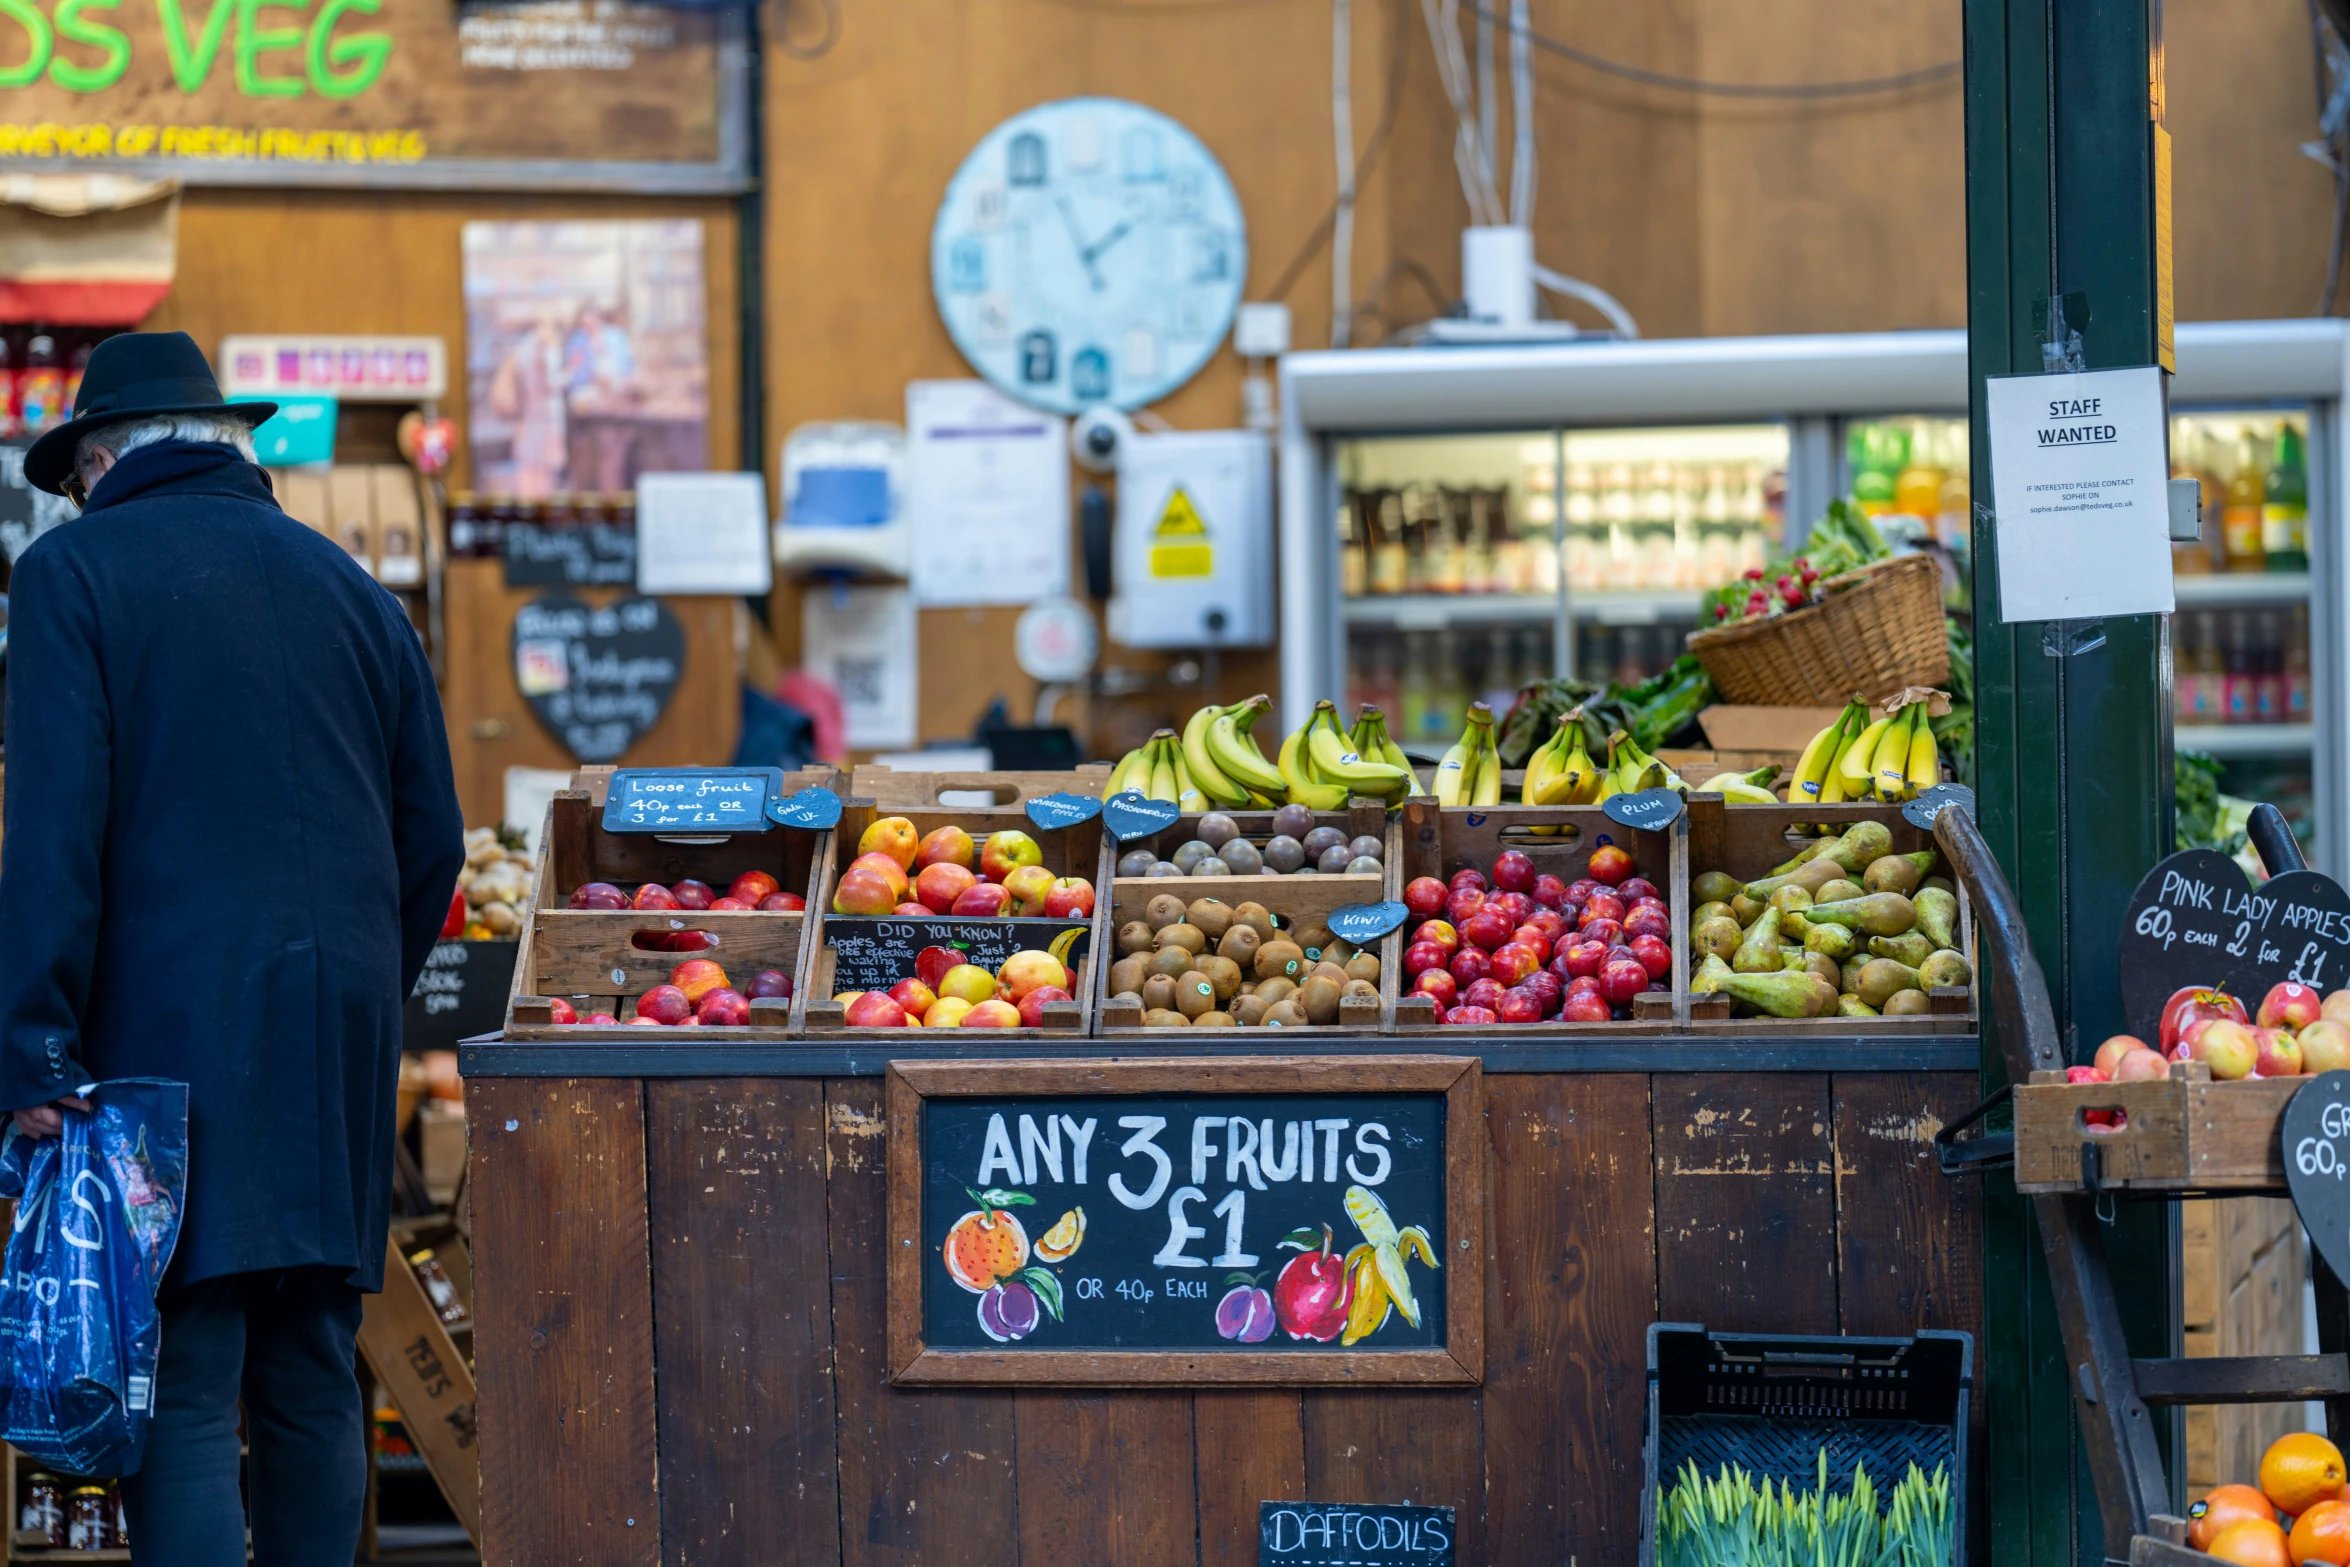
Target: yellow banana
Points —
{"points": [[1063, 942], [1162, 785], [1236, 755], [1925, 758], [1452, 770], [1200, 761], [1369, 1306], [1542, 767], [1303, 787], [1487, 790], [1187, 790], [1811, 772], [1371, 741], [1335, 761], [1857, 760], [1132, 772], [1575, 781], [1384, 1266], [1890, 770]]}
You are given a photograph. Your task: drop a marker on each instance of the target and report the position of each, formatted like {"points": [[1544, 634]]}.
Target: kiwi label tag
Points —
{"points": [[1136, 815], [2317, 1164], [812, 809], [1930, 803], [1063, 810], [1363, 923], [1648, 810], [2196, 920]]}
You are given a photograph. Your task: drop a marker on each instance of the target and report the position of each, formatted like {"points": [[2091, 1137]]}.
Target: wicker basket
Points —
{"points": [[1879, 629]]}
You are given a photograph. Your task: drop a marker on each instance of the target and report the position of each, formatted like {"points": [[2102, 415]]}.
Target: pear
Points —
{"points": [[1810, 851], [1944, 968], [1853, 1006], [1714, 887], [1718, 936], [1891, 873], [1861, 843], [1940, 883], [1706, 911], [1810, 875], [1746, 910], [1880, 978], [1877, 914], [1709, 976], [1837, 891], [1834, 941], [1825, 968], [1912, 949], [1791, 898], [1908, 1003], [1758, 953], [1788, 993], [1937, 916]]}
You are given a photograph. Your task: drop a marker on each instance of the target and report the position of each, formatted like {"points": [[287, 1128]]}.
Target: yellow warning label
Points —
{"points": [[1179, 543]]}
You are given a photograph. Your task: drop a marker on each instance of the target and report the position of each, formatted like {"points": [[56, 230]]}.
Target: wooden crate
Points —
{"points": [[2243, 1269], [1560, 840], [1288, 897], [589, 955], [892, 789], [1749, 841], [2185, 1133], [1067, 851]]}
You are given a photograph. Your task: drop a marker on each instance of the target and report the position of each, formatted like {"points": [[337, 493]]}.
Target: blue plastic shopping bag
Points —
{"points": [[97, 1214]]}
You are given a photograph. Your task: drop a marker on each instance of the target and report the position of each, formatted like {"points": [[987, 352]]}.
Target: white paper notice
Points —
{"points": [[702, 533], [863, 641], [987, 496], [2079, 472]]}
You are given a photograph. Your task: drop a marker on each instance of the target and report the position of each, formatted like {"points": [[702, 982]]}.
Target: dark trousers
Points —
{"points": [[283, 1344]]}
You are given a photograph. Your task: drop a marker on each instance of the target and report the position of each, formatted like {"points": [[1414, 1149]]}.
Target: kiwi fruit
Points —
{"points": [[1312, 935], [1240, 944], [1249, 1011], [1165, 1018], [1280, 959], [1257, 918], [1319, 997], [1907, 1003], [1213, 1020], [1286, 1014], [1195, 993], [1128, 973], [1339, 950], [1170, 961], [1211, 917], [1330, 971], [1363, 965], [1222, 973], [1134, 936], [1272, 991], [1189, 937], [1359, 987], [1162, 911], [1158, 992]]}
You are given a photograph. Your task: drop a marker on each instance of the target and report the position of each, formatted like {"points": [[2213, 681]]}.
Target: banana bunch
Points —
{"points": [[1470, 773], [1375, 1269], [1370, 738], [1324, 769], [1630, 769], [1744, 788], [1862, 758], [1222, 757], [1561, 772], [1156, 768]]}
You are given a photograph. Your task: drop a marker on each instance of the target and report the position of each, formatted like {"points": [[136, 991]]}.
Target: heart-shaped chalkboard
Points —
{"points": [[597, 676], [1930, 803], [1363, 923], [2317, 1164], [1063, 810], [2197, 920], [813, 809], [1136, 815], [1649, 810]]}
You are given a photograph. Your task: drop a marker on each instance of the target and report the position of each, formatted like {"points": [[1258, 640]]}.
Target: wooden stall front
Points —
{"points": [[681, 1310]]}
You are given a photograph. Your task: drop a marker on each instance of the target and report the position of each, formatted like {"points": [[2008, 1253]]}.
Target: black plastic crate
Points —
{"points": [[1769, 1403]]}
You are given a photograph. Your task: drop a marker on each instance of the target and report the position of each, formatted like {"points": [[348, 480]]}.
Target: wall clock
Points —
{"points": [[1088, 251]]}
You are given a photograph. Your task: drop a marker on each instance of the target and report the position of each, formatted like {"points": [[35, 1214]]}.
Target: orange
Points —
{"points": [[2224, 1505], [2322, 1534], [984, 1247], [2254, 1542], [2300, 1470]]}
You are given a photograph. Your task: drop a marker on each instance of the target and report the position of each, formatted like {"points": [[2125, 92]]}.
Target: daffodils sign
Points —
{"points": [[580, 94]]}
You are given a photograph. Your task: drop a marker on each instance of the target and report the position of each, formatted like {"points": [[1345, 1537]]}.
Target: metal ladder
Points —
{"points": [[2112, 1391]]}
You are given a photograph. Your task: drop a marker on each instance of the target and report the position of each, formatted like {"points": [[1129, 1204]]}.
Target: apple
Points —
{"points": [[597, 895], [1442, 932], [874, 1009], [751, 886], [1439, 986], [731, 903], [1462, 902], [1550, 922], [1006, 851], [892, 837], [946, 846], [2279, 1055], [1548, 891], [913, 995], [1648, 922], [782, 903], [2110, 1053], [1586, 1006], [2337, 1007], [931, 964], [2077, 1075], [1028, 885], [1512, 871], [863, 892], [1584, 957], [2325, 1046], [2140, 1066], [600, 1020], [2289, 1005], [1654, 954], [982, 900], [1512, 962], [1603, 906], [845, 998], [692, 894], [1026, 971], [992, 1014], [1069, 898], [561, 1011], [1467, 876], [1425, 895], [1632, 889], [723, 1008], [697, 977], [1581, 889], [653, 1021], [1472, 1016], [769, 983], [1516, 905], [1487, 929], [1608, 931], [652, 895], [946, 1012], [910, 910], [2224, 1044], [664, 1004], [968, 981], [887, 869], [1610, 864], [2192, 1005], [1421, 956], [1470, 964], [1582, 983], [1032, 1005], [1622, 979], [1482, 993], [938, 886], [1520, 1005]]}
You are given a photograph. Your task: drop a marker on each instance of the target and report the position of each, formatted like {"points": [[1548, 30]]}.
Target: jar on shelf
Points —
{"points": [[89, 1520], [438, 1288], [40, 1506]]}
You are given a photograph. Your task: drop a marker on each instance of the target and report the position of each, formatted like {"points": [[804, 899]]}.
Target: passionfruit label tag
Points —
{"points": [[1063, 810], [1134, 814]]}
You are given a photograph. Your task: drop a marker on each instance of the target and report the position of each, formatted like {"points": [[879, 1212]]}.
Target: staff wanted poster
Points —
{"points": [[2079, 468]]}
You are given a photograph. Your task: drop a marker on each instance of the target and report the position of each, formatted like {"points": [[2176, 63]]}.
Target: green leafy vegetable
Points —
{"points": [[1734, 1521]]}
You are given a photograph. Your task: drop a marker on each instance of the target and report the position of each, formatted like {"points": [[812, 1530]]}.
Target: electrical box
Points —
{"points": [[1193, 552]]}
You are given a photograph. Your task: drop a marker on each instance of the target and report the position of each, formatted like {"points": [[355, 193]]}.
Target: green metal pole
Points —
{"points": [[2067, 268]]}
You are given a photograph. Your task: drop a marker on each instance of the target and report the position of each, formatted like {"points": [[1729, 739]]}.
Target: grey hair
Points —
{"points": [[131, 434]]}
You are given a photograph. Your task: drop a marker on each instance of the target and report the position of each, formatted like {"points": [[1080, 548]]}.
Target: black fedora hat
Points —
{"points": [[134, 375]]}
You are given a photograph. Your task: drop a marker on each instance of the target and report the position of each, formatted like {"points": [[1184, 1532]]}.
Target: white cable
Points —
{"points": [[1591, 294], [1342, 128], [1488, 94], [1522, 113], [1452, 70]]}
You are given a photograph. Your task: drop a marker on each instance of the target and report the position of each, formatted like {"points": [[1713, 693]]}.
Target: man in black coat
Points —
{"points": [[231, 840]]}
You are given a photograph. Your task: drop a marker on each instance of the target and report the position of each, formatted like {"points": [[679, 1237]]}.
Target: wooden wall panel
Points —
{"points": [[1106, 1477], [1251, 1449], [1745, 1202]]}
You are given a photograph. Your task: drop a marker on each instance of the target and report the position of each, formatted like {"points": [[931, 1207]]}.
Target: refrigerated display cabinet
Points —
{"points": [[1456, 521]]}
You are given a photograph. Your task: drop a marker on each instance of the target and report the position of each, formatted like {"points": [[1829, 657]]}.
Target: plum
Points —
{"points": [[1245, 1314], [1009, 1312]]}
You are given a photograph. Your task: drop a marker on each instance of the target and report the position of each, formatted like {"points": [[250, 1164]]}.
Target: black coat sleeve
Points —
{"points": [[428, 829], [60, 752]]}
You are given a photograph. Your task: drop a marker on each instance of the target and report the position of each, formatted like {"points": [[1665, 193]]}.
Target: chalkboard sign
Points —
{"points": [[1136, 815], [2317, 1164], [1339, 1534], [812, 810], [1063, 810], [1363, 923], [594, 554], [690, 799], [597, 678], [874, 954], [1649, 810], [461, 993], [1933, 801], [2197, 920], [1186, 1222]]}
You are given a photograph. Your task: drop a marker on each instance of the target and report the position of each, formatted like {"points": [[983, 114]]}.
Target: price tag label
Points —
{"points": [[1363, 923], [1063, 810], [1136, 815], [1930, 803], [1649, 810], [812, 809], [2197, 920], [690, 799], [2316, 1135]]}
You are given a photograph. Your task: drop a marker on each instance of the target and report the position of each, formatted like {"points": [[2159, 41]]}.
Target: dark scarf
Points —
{"points": [[208, 467]]}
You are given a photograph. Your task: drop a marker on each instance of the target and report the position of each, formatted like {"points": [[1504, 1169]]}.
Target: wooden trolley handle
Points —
{"points": [[2019, 992]]}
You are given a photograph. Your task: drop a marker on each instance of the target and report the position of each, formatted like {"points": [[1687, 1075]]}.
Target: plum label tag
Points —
{"points": [[1362, 923], [1136, 815], [2317, 1164], [812, 809], [1649, 810], [1063, 810], [1930, 803]]}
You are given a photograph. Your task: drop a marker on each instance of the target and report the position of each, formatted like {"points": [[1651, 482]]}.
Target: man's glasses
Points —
{"points": [[77, 492]]}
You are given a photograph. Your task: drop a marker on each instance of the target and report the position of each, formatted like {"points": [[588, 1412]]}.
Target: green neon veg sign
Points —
{"points": [[332, 65]]}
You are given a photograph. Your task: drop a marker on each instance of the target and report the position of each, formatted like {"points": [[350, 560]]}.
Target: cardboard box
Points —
{"points": [[440, 1133], [302, 492], [1774, 730], [350, 496], [399, 527]]}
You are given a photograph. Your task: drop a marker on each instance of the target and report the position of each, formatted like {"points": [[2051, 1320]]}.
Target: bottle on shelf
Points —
{"points": [[2237, 696], [1354, 560], [1917, 489], [2284, 511], [1421, 702], [1619, 513], [2297, 665], [2240, 518], [2268, 671], [1876, 453], [2200, 686], [1480, 556], [2186, 453], [40, 383], [1391, 567], [77, 360]]}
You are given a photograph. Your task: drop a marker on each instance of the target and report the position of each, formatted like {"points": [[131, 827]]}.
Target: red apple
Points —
{"points": [[931, 964], [1026, 971], [1608, 931], [1610, 864], [692, 894], [1516, 905], [1475, 1017], [1634, 888], [1655, 954], [1549, 922], [769, 983], [1622, 979], [982, 900], [888, 869], [863, 892], [992, 1014], [913, 995], [1467, 876], [946, 846], [782, 903], [1028, 885], [1463, 902], [1311, 1296], [697, 977], [1487, 928], [731, 903], [600, 1020], [1513, 961], [1520, 1005], [874, 1009], [2325, 1046], [1422, 956], [2227, 1046], [1512, 871], [1603, 906], [1483, 993], [892, 837], [652, 895], [1549, 891], [1582, 983], [723, 1008], [2144, 1066], [1070, 898], [1439, 986], [1584, 956], [751, 886], [561, 1011], [650, 1021], [2077, 1075], [1003, 853], [1470, 964], [2337, 1006], [1031, 1006], [2279, 1055], [1585, 1006], [1425, 896], [1442, 932], [2111, 1052], [2289, 1005], [2192, 1005], [600, 895], [938, 885], [664, 1004], [912, 911], [1649, 922]]}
